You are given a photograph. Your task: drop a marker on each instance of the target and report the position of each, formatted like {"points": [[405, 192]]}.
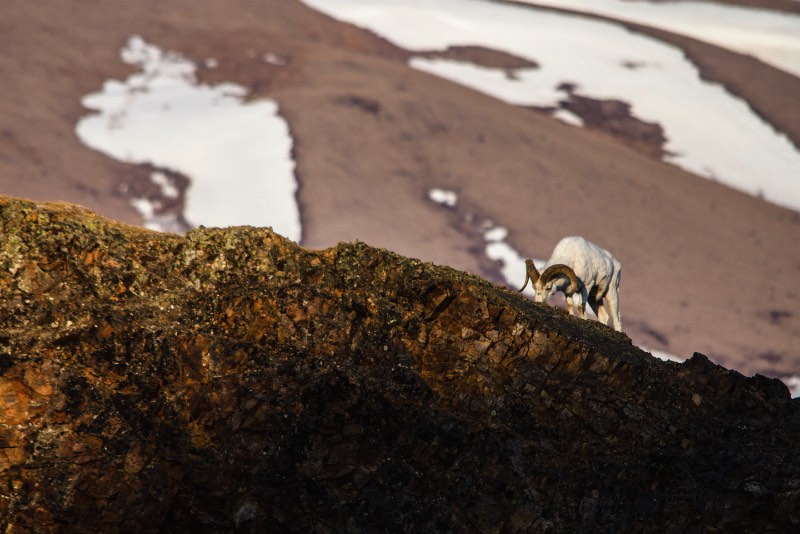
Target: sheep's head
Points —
{"points": [[544, 291], [558, 277]]}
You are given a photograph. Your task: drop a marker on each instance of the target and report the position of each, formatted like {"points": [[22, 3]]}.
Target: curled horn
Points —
{"points": [[559, 269], [531, 273]]}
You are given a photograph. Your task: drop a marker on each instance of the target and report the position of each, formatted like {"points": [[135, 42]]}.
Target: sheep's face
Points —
{"points": [[545, 291]]}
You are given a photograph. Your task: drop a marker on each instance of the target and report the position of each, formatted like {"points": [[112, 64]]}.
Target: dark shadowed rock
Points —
{"points": [[231, 380]]}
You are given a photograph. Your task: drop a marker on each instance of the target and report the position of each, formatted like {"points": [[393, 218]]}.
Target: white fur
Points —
{"points": [[598, 275]]}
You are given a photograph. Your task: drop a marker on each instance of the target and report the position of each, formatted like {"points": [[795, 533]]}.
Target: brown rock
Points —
{"points": [[239, 382]]}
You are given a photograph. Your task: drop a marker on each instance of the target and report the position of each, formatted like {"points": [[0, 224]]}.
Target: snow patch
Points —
{"points": [[237, 154], [147, 210], [443, 197], [168, 189], [154, 220], [565, 115], [274, 59], [495, 234]]}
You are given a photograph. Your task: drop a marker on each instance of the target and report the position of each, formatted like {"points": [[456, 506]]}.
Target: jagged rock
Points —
{"points": [[231, 380]]}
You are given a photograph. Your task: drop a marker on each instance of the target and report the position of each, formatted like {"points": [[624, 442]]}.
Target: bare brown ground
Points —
{"points": [[480, 55], [372, 136]]}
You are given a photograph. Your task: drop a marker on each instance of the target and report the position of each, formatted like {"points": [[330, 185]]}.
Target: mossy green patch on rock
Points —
{"points": [[232, 380]]}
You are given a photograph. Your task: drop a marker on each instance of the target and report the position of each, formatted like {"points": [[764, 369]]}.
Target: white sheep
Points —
{"points": [[598, 275]]}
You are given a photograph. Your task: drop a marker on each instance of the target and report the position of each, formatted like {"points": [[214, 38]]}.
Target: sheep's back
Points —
{"points": [[593, 265]]}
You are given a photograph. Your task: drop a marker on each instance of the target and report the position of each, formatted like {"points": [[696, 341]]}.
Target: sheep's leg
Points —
{"points": [[613, 306], [582, 304], [602, 314], [593, 305], [570, 301]]}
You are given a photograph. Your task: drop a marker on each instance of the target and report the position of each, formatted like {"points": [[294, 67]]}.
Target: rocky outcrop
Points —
{"points": [[231, 380]]}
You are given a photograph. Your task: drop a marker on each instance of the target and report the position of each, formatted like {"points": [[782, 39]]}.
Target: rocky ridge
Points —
{"points": [[231, 380]]}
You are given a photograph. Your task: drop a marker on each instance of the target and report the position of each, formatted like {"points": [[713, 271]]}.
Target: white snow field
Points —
{"points": [[236, 153], [771, 36], [709, 131]]}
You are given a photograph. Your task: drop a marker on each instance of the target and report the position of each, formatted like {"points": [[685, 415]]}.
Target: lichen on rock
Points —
{"points": [[232, 380]]}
